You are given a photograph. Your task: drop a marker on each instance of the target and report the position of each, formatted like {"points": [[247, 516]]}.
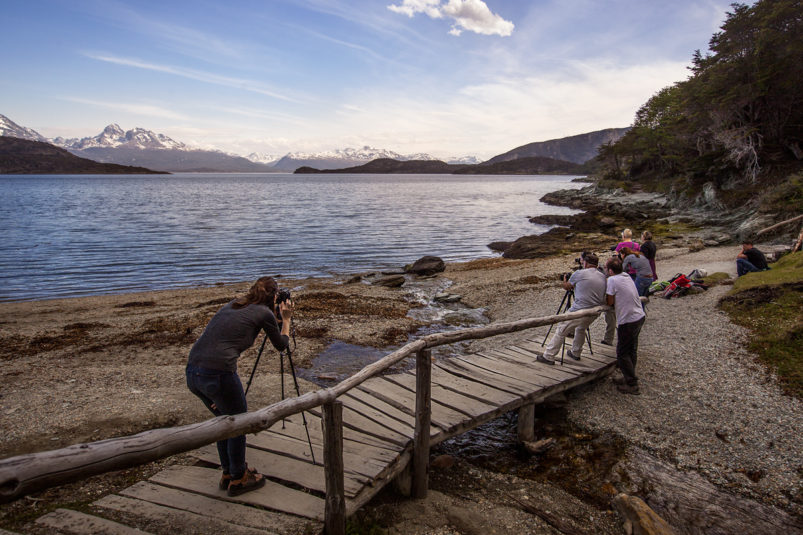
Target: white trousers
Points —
{"points": [[579, 326]]}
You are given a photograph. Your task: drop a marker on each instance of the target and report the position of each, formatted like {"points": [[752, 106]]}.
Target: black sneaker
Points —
{"points": [[572, 355], [541, 358]]}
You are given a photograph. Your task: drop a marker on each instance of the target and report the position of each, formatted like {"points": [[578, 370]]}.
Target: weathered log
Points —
{"points": [[539, 447], [782, 223], [693, 505], [423, 419], [335, 508], [639, 518], [29, 473], [550, 518]]}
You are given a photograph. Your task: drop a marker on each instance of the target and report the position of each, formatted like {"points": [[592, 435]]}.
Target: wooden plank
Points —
{"points": [[378, 416], [364, 465], [83, 524], [356, 421], [473, 389], [454, 400], [316, 433], [166, 519], [227, 511], [525, 374], [472, 372], [271, 496], [534, 349], [442, 416], [304, 474], [503, 359], [569, 365], [393, 413]]}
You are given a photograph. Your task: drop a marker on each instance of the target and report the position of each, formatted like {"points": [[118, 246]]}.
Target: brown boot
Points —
{"points": [[251, 480]]}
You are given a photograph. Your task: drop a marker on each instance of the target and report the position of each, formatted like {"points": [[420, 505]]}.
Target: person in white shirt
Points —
{"points": [[588, 285], [622, 295]]}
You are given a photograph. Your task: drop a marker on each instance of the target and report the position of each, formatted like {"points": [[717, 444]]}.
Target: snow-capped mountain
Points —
{"points": [[11, 129], [113, 137], [463, 160], [341, 158], [262, 157]]}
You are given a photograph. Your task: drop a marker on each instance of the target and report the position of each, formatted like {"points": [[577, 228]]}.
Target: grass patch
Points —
{"points": [[769, 304], [714, 279]]}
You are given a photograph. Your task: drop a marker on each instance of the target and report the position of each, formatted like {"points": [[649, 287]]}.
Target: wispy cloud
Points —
{"points": [[129, 107], [192, 74], [471, 15]]}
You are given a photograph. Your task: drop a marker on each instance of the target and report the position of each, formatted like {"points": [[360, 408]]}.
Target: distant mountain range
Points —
{"points": [[23, 156], [140, 147], [535, 165]]}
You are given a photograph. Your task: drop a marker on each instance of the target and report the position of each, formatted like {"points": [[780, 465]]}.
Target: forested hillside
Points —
{"points": [[730, 135]]}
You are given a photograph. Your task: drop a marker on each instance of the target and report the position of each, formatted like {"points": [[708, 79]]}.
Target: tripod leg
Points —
{"points": [[560, 306], [259, 355], [298, 393], [281, 374], [588, 339]]}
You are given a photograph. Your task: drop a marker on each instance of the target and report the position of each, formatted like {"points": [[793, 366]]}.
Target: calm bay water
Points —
{"points": [[66, 236]]}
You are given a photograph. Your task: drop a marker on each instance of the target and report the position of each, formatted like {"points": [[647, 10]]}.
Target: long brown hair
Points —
{"points": [[626, 251], [261, 292]]}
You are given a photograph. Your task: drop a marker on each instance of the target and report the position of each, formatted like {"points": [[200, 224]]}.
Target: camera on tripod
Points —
{"points": [[283, 295], [579, 265]]}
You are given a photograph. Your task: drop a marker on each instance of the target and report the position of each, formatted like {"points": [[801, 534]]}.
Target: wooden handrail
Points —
{"points": [[29, 473]]}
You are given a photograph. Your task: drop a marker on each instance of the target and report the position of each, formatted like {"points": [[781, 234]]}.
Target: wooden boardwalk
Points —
{"points": [[378, 430]]}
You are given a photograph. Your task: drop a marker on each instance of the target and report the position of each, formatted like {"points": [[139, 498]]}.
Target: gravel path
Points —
{"points": [[705, 402]]}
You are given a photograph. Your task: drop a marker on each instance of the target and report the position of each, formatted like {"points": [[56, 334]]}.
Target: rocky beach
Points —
{"points": [[711, 423]]}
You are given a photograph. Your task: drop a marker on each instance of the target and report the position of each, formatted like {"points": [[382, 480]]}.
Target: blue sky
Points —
{"points": [[446, 77]]}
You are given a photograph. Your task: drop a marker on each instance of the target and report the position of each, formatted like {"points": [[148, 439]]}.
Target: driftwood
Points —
{"points": [[540, 446], [773, 227], [692, 505], [799, 241], [554, 520], [638, 518], [29, 473]]}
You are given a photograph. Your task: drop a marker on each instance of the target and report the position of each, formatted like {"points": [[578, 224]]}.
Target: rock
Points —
{"points": [[539, 446], [447, 298], [607, 222], [469, 522], [556, 241], [355, 279], [427, 265], [500, 246], [442, 461], [392, 281], [696, 245], [638, 518]]}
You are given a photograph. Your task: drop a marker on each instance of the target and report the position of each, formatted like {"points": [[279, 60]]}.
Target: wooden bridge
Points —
{"points": [[365, 432]]}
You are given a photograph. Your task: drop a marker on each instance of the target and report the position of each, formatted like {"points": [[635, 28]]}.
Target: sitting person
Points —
{"points": [[589, 291], [638, 263], [750, 259]]}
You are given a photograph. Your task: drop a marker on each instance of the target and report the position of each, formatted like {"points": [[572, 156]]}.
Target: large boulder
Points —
{"points": [[427, 265]]}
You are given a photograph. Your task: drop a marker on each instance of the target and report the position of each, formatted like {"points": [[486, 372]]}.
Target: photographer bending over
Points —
{"points": [[588, 285], [622, 296], [212, 370]]}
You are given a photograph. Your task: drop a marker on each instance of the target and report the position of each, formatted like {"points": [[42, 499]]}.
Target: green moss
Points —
{"points": [[671, 229], [786, 197], [769, 304], [716, 278]]}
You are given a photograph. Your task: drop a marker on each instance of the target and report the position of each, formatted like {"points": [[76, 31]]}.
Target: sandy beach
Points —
{"points": [[84, 369]]}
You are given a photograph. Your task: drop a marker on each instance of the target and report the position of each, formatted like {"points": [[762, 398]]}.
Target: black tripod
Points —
{"points": [[565, 305], [281, 372]]}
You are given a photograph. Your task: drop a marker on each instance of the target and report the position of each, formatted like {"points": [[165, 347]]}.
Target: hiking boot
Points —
{"points": [[572, 355], [251, 480], [225, 479], [541, 358], [619, 381], [629, 389], [603, 342]]}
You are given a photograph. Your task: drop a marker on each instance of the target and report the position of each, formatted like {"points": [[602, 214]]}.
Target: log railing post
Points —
{"points": [[335, 508], [423, 417], [527, 422]]}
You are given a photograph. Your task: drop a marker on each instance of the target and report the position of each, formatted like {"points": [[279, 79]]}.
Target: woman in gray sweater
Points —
{"points": [[212, 369]]}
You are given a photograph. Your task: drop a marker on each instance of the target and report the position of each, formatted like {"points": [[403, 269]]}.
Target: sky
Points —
{"points": [[445, 77]]}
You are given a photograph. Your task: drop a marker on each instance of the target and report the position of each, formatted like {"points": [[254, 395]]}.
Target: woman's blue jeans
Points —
{"points": [[222, 393]]}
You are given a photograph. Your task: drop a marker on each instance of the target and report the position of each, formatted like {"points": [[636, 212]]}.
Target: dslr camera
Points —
{"points": [[578, 265], [282, 296]]}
